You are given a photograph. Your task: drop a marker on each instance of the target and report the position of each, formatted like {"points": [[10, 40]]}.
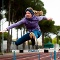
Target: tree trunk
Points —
{"points": [[57, 38], [42, 40], [0, 45], [8, 41]]}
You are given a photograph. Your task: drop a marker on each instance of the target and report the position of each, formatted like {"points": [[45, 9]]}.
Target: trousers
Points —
{"points": [[26, 37]]}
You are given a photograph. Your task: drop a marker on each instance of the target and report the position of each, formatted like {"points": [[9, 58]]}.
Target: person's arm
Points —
{"points": [[43, 17], [16, 24]]}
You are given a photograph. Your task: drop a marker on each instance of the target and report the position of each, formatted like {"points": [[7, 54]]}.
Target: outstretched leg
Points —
{"points": [[22, 39]]}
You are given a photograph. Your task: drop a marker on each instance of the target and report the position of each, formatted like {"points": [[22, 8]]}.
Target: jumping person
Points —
{"points": [[31, 23]]}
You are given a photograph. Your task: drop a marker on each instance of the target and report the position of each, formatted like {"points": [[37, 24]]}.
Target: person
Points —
{"points": [[31, 22]]}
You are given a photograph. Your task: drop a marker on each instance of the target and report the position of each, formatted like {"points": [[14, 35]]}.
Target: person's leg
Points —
{"points": [[22, 39], [37, 33], [34, 34]]}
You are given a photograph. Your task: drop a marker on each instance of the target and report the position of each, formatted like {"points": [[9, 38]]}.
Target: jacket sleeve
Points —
{"points": [[42, 17], [16, 24]]}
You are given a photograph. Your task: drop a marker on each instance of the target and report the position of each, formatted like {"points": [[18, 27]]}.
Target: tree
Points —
{"points": [[47, 39], [59, 42], [54, 41], [56, 31], [5, 38], [46, 26], [16, 8], [0, 17]]}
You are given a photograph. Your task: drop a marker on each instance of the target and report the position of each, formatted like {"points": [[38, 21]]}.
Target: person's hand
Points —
{"points": [[49, 18], [3, 30]]}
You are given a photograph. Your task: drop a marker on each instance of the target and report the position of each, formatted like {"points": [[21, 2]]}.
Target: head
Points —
{"points": [[29, 12]]}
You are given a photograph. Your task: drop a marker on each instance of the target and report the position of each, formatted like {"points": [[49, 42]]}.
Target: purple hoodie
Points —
{"points": [[31, 24]]}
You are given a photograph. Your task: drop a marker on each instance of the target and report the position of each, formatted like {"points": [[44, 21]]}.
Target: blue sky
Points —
{"points": [[53, 10]]}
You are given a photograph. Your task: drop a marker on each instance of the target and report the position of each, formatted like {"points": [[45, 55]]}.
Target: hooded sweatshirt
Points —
{"points": [[31, 24]]}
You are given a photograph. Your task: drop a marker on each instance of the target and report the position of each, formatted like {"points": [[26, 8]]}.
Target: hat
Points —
{"points": [[30, 10]]}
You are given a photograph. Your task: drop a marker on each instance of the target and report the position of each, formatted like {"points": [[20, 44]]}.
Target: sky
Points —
{"points": [[53, 11]]}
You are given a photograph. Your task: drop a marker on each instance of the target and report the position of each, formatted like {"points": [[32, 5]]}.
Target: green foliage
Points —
{"points": [[59, 37], [5, 36], [47, 39], [18, 7], [59, 42], [57, 29], [1, 17], [0, 4], [39, 46], [46, 25], [54, 41]]}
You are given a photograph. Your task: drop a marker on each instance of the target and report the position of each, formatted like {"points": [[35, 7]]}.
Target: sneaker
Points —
{"points": [[33, 41], [32, 37]]}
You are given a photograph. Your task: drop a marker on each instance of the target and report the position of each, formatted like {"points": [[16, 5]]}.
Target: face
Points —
{"points": [[28, 14]]}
